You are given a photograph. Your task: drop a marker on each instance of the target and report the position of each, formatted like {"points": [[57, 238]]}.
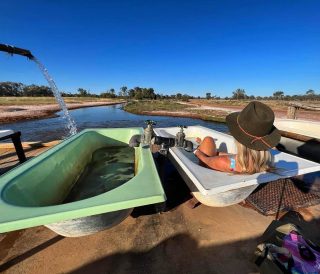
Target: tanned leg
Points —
{"points": [[208, 147]]}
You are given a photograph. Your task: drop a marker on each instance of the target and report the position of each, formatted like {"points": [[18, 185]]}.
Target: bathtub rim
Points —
{"points": [[128, 195]]}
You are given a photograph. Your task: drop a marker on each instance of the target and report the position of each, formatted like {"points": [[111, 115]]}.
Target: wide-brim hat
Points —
{"points": [[253, 126]]}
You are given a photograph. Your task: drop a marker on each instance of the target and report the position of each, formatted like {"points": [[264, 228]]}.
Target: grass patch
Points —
{"points": [[139, 107], [211, 115]]}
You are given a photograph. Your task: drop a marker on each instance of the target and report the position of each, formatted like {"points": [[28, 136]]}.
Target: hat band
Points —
{"points": [[255, 138]]}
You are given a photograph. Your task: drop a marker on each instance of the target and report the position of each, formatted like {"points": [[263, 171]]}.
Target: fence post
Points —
{"points": [[291, 113]]}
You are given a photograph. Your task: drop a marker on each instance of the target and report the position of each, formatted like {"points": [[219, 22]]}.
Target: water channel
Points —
{"points": [[97, 117]]}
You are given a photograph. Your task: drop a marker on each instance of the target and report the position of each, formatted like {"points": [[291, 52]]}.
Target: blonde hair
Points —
{"points": [[253, 161]]}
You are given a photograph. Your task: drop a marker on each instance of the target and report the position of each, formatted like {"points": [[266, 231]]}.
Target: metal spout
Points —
{"points": [[14, 50]]}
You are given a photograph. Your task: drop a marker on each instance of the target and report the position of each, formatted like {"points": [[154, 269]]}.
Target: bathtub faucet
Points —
{"points": [[148, 131], [180, 136], [14, 50]]}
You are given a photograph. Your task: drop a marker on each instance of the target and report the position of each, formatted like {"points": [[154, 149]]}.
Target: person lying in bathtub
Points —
{"points": [[254, 135]]}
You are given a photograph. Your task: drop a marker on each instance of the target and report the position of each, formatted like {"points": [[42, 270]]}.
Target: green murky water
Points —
{"points": [[109, 168]]}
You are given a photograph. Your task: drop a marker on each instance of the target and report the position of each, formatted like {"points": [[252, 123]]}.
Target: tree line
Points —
{"points": [[139, 93], [240, 94]]}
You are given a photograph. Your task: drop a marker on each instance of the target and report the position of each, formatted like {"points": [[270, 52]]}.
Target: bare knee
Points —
{"points": [[209, 142], [208, 146], [208, 139]]}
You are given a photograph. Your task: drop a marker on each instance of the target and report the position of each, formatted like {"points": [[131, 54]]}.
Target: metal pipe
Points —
{"points": [[14, 50]]}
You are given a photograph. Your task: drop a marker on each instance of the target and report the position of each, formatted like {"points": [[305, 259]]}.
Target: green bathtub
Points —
{"points": [[32, 194]]}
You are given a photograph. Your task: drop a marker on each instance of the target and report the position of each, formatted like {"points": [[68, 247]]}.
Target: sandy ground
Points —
{"points": [[280, 112], [221, 112], [200, 240], [10, 114]]}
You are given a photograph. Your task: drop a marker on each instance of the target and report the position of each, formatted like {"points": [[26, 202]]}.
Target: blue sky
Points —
{"points": [[191, 47]]}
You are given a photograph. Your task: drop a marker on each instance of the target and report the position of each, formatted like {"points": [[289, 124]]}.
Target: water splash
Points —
{"points": [[71, 125]]}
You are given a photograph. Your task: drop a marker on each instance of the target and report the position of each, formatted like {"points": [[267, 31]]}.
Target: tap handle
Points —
{"points": [[150, 122], [182, 126]]}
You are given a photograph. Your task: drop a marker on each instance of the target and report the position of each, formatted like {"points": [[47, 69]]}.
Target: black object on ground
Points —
{"points": [[15, 137]]}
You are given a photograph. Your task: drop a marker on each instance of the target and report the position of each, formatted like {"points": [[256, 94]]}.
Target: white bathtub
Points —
{"points": [[219, 189]]}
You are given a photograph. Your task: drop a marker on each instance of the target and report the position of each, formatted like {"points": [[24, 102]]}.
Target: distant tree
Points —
{"points": [[278, 94], [19, 89], [67, 94], [185, 97], [148, 93], [179, 96], [83, 92], [138, 94], [35, 91], [11, 89], [111, 93], [239, 94], [310, 92], [131, 93], [124, 91], [208, 95]]}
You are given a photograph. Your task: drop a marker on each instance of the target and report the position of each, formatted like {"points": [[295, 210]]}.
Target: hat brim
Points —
{"points": [[273, 138]]}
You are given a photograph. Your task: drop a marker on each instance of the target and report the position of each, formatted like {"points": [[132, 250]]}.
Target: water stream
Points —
{"points": [[71, 125]]}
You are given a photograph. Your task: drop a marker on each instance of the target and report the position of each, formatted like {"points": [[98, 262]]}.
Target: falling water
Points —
{"points": [[71, 125]]}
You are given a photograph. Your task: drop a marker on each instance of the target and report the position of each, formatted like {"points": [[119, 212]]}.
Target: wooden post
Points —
{"points": [[15, 137], [291, 113]]}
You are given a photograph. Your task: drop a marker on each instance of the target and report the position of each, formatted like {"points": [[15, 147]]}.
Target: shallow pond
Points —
{"points": [[98, 117]]}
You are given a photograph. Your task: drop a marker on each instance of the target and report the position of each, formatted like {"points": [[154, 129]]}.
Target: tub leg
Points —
{"points": [[193, 203], [18, 146]]}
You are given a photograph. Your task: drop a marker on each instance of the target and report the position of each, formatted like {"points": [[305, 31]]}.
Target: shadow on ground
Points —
{"points": [[183, 254], [178, 254]]}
